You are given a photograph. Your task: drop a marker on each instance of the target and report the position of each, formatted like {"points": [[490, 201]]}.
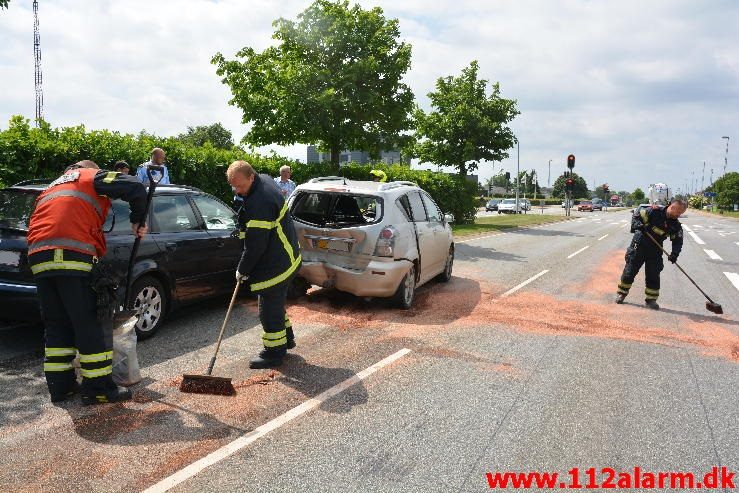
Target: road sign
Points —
{"points": [[709, 194]]}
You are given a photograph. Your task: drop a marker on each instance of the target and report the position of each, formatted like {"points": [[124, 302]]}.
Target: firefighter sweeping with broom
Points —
{"points": [[652, 226], [270, 259]]}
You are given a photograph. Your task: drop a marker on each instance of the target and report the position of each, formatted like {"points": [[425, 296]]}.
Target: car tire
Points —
{"points": [[150, 302], [446, 274], [406, 291]]}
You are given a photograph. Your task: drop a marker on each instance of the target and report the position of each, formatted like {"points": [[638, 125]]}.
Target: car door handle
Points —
{"points": [[171, 246]]}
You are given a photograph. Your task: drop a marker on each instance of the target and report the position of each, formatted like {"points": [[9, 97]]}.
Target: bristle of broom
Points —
{"points": [[714, 307], [205, 384]]}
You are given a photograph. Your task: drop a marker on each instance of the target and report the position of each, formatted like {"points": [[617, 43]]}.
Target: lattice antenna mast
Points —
{"points": [[38, 78]]}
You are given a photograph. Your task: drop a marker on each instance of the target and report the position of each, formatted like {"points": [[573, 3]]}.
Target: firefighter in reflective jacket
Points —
{"points": [[270, 259], [660, 223], [378, 175], [65, 239]]}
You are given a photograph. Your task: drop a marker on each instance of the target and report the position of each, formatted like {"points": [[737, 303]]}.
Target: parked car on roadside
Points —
{"points": [[190, 253], [371, 239], [492, 205], [585, 205]]}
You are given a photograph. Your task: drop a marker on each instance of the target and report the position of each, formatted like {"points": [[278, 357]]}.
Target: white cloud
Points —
{"points": [[639, 91]]}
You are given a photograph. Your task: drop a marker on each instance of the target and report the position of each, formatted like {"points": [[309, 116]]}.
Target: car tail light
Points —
{"points": [[386, 242]]}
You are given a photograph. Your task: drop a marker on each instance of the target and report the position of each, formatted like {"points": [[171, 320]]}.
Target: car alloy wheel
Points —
{"points": [[150, 304], [407, 289]]}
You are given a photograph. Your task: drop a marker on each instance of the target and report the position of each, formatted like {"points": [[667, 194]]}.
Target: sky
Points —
{"points": [[640, 92]]}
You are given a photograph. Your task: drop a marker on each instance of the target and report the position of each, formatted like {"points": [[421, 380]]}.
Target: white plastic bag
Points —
{"points": [[126, 370]]}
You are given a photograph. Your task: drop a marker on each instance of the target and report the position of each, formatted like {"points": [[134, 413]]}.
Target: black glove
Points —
{"points": [[672, 257]]}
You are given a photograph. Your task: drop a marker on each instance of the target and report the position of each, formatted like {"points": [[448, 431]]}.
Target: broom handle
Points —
{"points": [[223, 328], [678, 266]]}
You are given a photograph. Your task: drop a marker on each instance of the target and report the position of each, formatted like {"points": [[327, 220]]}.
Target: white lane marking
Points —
{"points": [[687, 228], [580, 250], [603, 236], [478, 238], [737, 243], [712, 254], [190, 471], [615, 223], [697, 240], [734, 278], [532, 279]]}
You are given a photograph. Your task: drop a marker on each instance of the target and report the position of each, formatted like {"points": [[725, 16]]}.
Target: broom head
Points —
{"points": [[206, 384], [714, 307]]}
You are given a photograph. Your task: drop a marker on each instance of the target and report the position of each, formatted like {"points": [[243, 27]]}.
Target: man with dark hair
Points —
{"points": [[660, 223], [121, 167], [65, 239], [271, 257]]}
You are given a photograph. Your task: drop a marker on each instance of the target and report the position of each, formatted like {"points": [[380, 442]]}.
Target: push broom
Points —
{"points": [[208, 384], [711, 305]]}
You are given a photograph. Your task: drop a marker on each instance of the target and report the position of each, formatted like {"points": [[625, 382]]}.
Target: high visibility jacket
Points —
{"points": [[69, 215], [655, 221], [271, 253]]}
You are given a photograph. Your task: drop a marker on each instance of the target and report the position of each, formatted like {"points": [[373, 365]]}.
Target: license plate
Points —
{"points": [[10, 259], [339, 246]]}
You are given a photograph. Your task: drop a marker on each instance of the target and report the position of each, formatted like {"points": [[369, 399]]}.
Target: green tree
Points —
{"points": [[727, 190], [500, 180], [333, 79], [637, 196], [580, 188], [466, 125], [4, 4], [218, 136]]}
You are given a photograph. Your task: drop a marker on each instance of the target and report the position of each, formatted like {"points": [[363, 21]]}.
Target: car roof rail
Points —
{"points": [[35, 181], [326, 178], [396, 184]]}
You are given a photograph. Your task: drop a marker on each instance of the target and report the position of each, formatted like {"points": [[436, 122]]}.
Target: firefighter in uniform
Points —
{"points": [[270, 258], [65, 239], [378, 175], [661, 223]]}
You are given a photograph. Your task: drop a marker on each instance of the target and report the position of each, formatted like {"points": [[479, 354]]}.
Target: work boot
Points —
{"points": [[59, 394], [620, 297], [652, 304], [290, 344], [267, 359], [116, 394]]}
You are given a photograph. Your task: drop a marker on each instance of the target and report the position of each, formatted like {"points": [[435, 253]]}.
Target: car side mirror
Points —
{"points": [[448, 218]]}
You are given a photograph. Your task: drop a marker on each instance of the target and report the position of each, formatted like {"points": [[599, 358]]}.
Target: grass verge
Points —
{"points": [[504, 221]]}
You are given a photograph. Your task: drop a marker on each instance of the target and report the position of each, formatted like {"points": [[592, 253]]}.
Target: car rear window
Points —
{"points": [[336, 210], [16, 207]]}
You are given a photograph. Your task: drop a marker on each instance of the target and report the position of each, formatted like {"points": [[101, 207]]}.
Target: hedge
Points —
{"points": [[27, 152]]}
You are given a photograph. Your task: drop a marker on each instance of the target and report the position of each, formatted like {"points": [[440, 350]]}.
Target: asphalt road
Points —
{"points": [[520, 363]]}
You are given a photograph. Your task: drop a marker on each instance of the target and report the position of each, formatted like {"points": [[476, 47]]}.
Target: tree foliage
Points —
{"points": [[580, 188], [637, 196], [727, 190], [27, 152], [216, 134], [4, 4], [466, 125], [333, 79]]}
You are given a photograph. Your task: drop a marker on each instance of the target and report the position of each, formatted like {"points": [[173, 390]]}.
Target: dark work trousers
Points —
{"points": [[275, 322], [69, 314], [636, 256]]}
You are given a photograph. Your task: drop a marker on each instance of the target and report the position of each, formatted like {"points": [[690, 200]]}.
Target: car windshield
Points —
{"points": [[336, 210], [509, 201], [585, 202], [16, 207]]}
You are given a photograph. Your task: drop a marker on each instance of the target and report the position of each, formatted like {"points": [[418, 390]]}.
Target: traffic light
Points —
{"points": [[507, 176], [569, 184], [571, 161]]}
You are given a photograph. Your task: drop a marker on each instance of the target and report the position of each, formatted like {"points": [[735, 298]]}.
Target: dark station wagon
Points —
{"points": [[190, 253]]}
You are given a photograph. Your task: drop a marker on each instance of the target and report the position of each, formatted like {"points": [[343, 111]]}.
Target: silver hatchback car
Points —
{"points": [[371, 239]]}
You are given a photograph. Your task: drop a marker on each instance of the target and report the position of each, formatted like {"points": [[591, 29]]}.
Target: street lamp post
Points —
{"points": [[726, 156], [518, 171], [549, 175]]}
